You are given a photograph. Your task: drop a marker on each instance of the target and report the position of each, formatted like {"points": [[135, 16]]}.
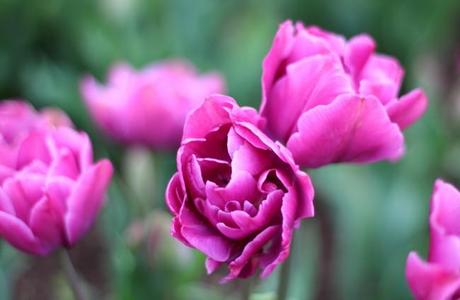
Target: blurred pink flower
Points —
{"points": [[237, 195], [332, 100], [51, 190], [148, 107], [439, 277], [17, 119]]}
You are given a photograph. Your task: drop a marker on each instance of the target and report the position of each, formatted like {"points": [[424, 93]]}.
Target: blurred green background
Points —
{"points": [[369, 217]]}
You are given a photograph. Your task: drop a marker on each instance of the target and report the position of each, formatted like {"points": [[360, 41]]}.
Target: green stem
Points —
{"points": [[246, 289], [75, 283], [326, 288], [283, 283]]}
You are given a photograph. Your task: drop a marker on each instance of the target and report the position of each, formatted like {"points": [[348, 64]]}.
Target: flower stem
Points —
{"points": [[326, 286], [246, 289], [73, 279], [283, 283]]}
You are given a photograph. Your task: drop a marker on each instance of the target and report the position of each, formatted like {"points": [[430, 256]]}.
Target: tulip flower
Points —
{"points": [[148, 107], [331, 100], [51, 189], [237, 195], [438, 278]]}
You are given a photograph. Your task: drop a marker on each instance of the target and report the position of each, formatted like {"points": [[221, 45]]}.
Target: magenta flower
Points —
{"points": [[148, 107], [17, 119], [331, 100], [51, 190], [439, 277], [237, 195]]}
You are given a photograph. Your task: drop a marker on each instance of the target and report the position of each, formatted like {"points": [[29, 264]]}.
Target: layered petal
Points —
{"points": [[309, 71], [160, 95], [408, 109], [439, 277], [52, 191], [237, 195], [431, 281], [350, 129], [381, 77], [18, 234], [309, 82], [86, 200]]}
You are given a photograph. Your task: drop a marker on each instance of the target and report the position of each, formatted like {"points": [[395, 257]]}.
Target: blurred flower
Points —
{"points": [[332, 100], [153, 235], [237, 195], [439, 277], [148, 107], [50, 188], [17, 120]]}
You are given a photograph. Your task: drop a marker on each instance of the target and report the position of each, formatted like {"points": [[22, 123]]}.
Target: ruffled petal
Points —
{"points": [[203, 237], [273, 61], [18, 234], [408, 109], [381, 77], [251, 249], [86, 200], [309, 82], [431, 281], [174, 194], [351, 129], [358, 51], [46, 223]]}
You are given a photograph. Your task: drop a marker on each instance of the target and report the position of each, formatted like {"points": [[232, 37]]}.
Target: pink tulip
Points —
{"points": [[237, 196], [17, 119], [148, 107], [51, 190], [438, 278], [332, 100]]}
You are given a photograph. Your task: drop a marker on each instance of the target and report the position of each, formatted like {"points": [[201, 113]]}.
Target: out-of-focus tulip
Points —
{"points": [[148, 107], [237, 196], [332, 100], [438, 278], [51, 190]]}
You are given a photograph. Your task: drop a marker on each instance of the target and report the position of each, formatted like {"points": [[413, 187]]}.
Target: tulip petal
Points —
{"points": [[5, 204], [203, 237], [19, 235], [431, 281], [309, 82], [306, 193], [46, 223], [273, 61], [86, 200], [358, 50], [351, 129], [212, 265], [174, 194], [207, 117], [408, 109], [250, 250], [381, 77], [288, 212], [445, 209], [33, 148]]}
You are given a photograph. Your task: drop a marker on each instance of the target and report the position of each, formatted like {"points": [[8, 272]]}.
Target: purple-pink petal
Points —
{"points": [[408, 109], [86, 200], [350, 129]]}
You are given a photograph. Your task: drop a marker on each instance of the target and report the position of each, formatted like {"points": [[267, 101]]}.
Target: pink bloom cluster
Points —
{"points": [[50, 188], [332, 100], [237, 195], [438, 278], [148, 107]]}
